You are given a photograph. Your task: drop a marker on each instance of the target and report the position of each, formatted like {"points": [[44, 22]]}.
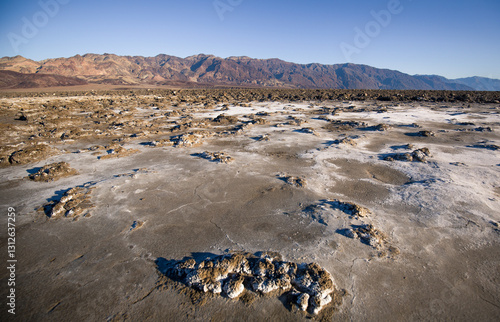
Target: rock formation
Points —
{"points": [[310, 286], [53, 172]]}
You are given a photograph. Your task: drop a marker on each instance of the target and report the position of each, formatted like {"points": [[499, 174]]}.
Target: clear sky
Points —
{"points": [[456, 38]]}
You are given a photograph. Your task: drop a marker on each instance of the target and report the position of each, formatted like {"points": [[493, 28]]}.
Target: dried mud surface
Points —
{"points": [[229, 204]]}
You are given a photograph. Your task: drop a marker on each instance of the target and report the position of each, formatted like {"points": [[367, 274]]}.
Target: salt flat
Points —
{"points": [[397, 201]]}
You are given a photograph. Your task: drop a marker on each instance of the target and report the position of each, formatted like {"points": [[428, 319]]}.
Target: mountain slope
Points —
{"points": [[11, 79], [480, 83], [437, 82], [19, 64], [210, 70]]}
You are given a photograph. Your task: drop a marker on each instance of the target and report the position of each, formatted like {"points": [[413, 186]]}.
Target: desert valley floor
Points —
{"points": [[120, 199]]}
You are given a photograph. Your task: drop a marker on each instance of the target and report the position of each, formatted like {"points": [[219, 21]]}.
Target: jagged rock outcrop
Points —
{"points": [[310, 286], [75, 203]]}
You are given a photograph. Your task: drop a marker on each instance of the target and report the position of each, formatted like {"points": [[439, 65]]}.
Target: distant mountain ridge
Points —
{"points": [[477, 83], [480, 83], [210, 70]]}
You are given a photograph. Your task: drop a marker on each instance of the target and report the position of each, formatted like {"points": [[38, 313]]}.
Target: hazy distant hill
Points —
{"points": [[232, 71], [477, 83], [436, 81], [480, 83]]}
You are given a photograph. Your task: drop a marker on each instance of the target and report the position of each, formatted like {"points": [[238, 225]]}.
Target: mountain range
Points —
{"points": [[210, 71]]}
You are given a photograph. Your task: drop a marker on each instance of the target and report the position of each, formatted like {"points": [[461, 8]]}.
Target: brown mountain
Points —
{"points": [[215, 71], [10, 79]]}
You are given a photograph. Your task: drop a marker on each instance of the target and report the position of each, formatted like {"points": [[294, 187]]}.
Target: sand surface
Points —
{"points": [[436, 255]]}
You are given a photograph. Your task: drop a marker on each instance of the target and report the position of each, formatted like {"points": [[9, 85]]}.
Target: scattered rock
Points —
{"points": [[117, 151], [264, 137], [339, 125], [426, 133], [190, 139], [350, 208], [346, 141], [97, 148], [465, 123], [217, 157], [368, 234], [134, 173], [160, 143], [22, 117], [458, 164], [383, 127], [419, 155], [373, 237], [483, 129], [477, 129], [74, 203], [399, 157], [308, 130], [295, 121], [32, 153], [140, 134], [53, 172], [410, 146], [258, 121], [492, 147], [232, 275], [298, 182], [224, 119]]}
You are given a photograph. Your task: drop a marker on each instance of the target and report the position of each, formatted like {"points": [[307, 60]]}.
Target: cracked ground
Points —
{"points": [[433, 252]]}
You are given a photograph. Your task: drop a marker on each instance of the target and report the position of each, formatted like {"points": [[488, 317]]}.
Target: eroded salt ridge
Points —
{"points": [[75, 203], [309, 286], [367, 233], [53, 172]]}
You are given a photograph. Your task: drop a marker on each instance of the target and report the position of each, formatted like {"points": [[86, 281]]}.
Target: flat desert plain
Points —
{"points": [[176, 208]]}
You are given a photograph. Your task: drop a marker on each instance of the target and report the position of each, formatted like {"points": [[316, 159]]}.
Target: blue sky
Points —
{"points": [[457, 38]]}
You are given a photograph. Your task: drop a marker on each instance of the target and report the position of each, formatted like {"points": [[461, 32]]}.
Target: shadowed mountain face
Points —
{"points": [[10, 79], [215, 71]]}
